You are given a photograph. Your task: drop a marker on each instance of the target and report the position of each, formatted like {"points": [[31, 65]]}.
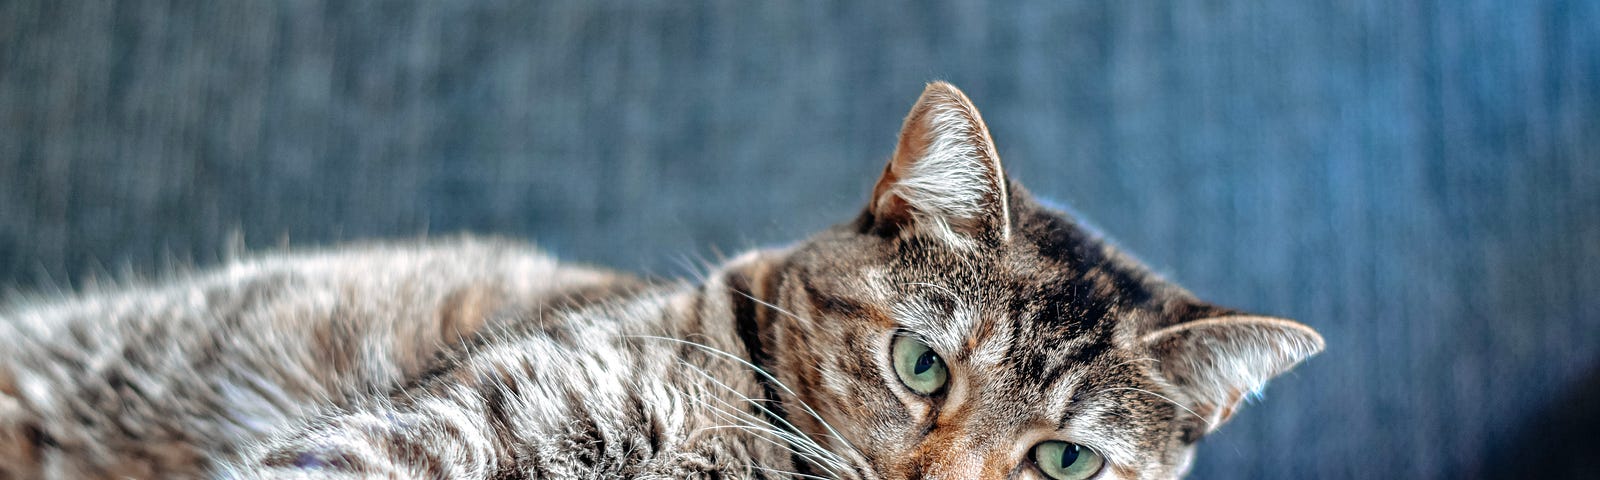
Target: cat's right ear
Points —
{"points": [[1219, 361], [945, 179]]}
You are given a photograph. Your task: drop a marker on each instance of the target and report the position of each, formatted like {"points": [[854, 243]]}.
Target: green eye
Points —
{"points": [[1067, 461], [918, 367]]}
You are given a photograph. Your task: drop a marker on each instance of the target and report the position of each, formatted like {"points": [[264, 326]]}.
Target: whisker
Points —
{"points": [[851, 449], [808, 456], [951, 294], [814, 414], [808, 444], [1160, 396], [832, 432], [812, 452], [786, 472], [774, 401], [1133, 361]]}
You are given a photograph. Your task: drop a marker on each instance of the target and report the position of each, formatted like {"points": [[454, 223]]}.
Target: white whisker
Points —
{"points": [[814, 414], [790, 442], [951, 294], [1160, 396], [786, 472], [798, 437], [813, 451]]}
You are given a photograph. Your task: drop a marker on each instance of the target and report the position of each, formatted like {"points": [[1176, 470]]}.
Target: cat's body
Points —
{"points": [[1033, 348], [146, 380]]}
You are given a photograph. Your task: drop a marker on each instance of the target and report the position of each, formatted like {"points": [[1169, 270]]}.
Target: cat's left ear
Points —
{"points": [[945, 178], [1216, 362]]}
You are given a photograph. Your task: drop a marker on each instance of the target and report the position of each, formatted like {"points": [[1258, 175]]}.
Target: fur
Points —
{"points": [[477, 358]]}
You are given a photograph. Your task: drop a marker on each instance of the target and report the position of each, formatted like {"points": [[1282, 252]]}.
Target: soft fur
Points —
{"points": [[485, 359]]}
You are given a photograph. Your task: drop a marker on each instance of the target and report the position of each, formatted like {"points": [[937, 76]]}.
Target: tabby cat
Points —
{"points": [[955, 329]]}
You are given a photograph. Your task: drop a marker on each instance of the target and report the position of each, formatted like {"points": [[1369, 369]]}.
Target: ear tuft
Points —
{"points": [[945, 178], [1216, 362]]}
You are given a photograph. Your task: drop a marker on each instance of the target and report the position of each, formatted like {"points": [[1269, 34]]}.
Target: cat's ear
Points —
{"points": [[945, 178], [1216, 362]]}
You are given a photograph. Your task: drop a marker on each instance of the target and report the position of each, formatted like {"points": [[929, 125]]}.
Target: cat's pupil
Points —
{"points": [[925, 362], [1069, 455]]}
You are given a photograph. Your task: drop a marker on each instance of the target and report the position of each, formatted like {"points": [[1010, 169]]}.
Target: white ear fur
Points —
{"points": [[1217, 361], [945, 177]]}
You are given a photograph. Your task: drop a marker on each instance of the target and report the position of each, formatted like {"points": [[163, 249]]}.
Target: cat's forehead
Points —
{"points": [[1023, 311], [1057, 280], [1050, 300], [1035, 324]]}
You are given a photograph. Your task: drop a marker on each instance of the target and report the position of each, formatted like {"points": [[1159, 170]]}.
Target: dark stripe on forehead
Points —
{"points": [[1089, 354], [1047, 359], [1064, 308], [1086, 257], [833, 304], [1056, 334]]}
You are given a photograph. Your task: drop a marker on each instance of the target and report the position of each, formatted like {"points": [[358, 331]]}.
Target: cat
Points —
{"points": [[956, 328]]}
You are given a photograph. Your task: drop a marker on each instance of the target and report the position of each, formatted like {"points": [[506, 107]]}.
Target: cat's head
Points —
{"points": [[959, 329]]}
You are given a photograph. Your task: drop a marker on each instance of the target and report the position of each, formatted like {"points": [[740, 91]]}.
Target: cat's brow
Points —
{"points": [[1059, 396], [946, 331], [1100, 427]]}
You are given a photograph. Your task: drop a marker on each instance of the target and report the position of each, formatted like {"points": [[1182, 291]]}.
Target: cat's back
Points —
{"points": [[131, 381]]}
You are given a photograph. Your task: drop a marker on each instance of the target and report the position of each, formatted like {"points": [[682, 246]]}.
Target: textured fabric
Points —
{"points": [[1417, 180]]}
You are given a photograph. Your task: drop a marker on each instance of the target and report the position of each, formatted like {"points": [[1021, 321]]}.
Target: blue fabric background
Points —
{"points": [[1419, 180]]}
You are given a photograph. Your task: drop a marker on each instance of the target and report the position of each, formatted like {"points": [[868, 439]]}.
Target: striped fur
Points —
{"points": [[477, 358]]}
